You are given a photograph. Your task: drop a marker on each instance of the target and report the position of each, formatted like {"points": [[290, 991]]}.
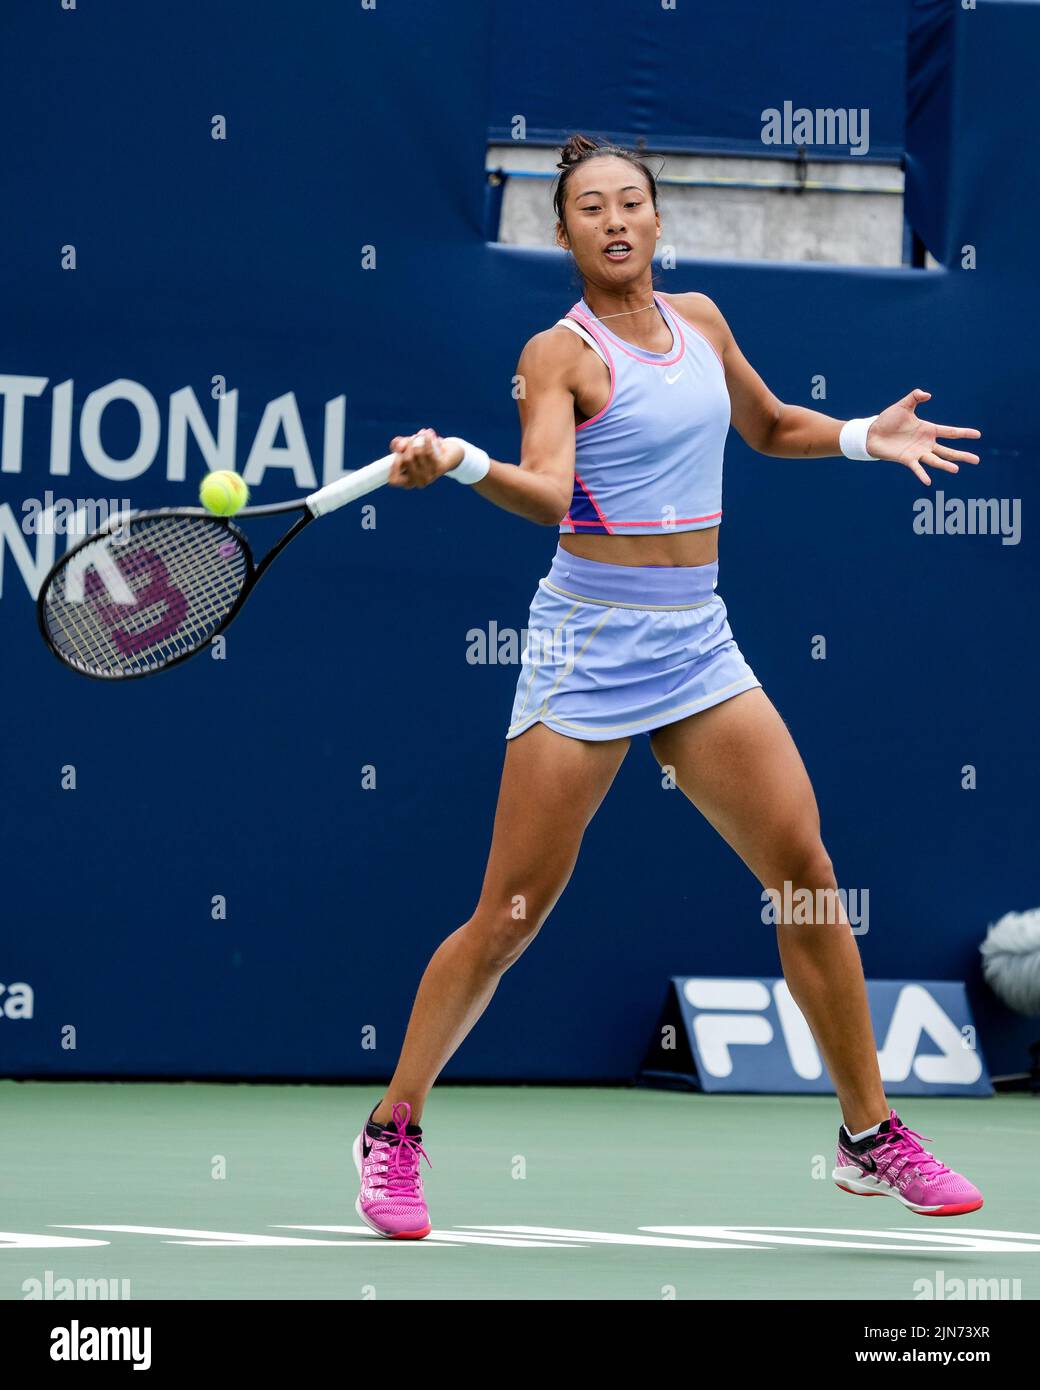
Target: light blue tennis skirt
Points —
{"points": [[614, 650]]}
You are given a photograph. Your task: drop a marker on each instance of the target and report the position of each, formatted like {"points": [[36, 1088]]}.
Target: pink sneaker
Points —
{"points": [[387, 1159], [894, 1163]]}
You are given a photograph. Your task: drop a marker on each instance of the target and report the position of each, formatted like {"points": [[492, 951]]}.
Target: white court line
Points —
{"points": [[895, 1240], [941, 1241], [176, 1235], [22, 1240], [613, 1238], [452, 1237]]}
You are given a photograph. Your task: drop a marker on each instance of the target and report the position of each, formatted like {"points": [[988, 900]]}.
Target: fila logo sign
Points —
{"points": [[749, 1035]]}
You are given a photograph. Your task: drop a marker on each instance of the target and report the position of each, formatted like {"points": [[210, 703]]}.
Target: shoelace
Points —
{"points": [[403, 1168], [400, 1176], [906, 1144]]}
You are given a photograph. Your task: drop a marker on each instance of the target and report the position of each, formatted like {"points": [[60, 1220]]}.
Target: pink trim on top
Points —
{"points": [[679, 520], [603, 520], [610, 368], [678, 341], [696, 330]]}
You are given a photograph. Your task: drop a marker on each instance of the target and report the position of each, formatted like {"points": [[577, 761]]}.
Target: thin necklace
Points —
{"points": [[624, 312]]}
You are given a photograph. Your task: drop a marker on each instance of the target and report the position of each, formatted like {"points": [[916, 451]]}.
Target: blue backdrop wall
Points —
{"points": [[329, 250], [695, 77]]}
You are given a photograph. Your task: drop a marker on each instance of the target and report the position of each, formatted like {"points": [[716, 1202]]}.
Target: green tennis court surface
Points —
{"points": [[535, 1192]]}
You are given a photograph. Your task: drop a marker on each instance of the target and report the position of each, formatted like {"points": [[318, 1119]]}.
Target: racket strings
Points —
{"points": [[132, 603]]}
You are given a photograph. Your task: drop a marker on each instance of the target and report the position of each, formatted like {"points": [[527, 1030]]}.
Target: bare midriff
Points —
{"points": [[676, 548]]}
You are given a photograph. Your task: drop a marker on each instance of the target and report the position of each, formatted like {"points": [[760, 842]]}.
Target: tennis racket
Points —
{"points": [[150, 589]]}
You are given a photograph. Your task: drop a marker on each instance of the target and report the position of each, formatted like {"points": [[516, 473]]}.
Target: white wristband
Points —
{"points": [[852, 441], [475, 462]]}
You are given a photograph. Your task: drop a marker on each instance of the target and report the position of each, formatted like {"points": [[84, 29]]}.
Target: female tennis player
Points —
{"points": [[627, 404]]}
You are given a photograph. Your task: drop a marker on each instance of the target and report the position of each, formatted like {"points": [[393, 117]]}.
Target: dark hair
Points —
{"points": [[577, 150]]}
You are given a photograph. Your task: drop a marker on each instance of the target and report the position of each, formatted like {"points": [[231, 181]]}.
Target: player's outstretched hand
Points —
{"points": [[898, 434], [422, 458]]}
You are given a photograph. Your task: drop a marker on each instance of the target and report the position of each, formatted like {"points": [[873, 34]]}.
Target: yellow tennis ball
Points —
{"points": [[223, 492]]}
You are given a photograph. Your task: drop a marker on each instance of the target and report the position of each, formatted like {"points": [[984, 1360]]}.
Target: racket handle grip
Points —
{"points": [[350, 486]]}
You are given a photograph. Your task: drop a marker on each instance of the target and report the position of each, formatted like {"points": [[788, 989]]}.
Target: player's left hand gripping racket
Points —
{"points": [[150, 589]]}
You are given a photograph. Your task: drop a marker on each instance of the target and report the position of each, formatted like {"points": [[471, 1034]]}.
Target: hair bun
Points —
{"points": [[577, 148]]}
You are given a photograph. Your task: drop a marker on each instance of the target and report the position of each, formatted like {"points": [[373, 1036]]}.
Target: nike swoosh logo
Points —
{"points": [[671, 380], [867, 1164], [366, 1147]]}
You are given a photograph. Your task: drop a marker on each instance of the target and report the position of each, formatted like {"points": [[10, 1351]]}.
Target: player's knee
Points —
{"points": [[804, 863], [816, 867], [502, 932]]}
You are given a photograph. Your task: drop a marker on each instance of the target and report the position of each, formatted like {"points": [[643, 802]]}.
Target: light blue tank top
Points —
{"points": [[651, 460]]}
